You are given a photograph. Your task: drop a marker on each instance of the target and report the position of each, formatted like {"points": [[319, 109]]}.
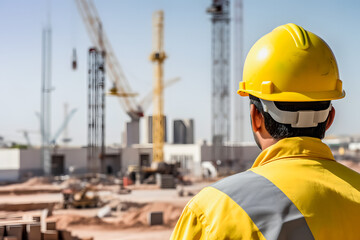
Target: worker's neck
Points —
{"points": [[265, 143], [264, 140]]}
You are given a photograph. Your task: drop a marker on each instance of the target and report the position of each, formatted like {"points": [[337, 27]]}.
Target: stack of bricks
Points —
{"points": [[34, 230]]}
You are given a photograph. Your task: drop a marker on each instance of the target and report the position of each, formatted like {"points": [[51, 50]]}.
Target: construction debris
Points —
{"points": [[80, 196], [118, 214], [155, 218], [31, 230], [104, 212]]}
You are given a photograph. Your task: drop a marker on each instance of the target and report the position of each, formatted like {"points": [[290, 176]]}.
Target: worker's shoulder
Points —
{"points": [[223, 190]]}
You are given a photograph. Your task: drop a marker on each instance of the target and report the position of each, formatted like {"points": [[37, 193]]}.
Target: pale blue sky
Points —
{"points": [[187, 43]]}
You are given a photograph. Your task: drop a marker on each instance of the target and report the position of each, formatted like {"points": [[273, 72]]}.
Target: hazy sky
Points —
{"points": [[187, 43]]}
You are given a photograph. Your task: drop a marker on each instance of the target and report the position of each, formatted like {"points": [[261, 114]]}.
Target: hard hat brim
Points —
{"points": [[295, 97]]}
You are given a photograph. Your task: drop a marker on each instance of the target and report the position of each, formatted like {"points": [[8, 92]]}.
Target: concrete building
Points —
{"points": [[17, 164], [132, 133], [183, 131]]}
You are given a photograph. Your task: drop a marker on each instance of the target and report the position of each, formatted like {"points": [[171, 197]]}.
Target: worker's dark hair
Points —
{"points": [[279, 130]]}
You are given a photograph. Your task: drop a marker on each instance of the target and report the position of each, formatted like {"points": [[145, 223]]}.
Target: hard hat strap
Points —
{"points": [[299, 119]]}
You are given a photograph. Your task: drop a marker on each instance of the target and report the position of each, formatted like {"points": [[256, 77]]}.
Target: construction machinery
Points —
{"points": [[163, 174], [158, 57], [26, 136], [147, 99], [63, 126], [100, 41], [120, 85], [80, 197]]}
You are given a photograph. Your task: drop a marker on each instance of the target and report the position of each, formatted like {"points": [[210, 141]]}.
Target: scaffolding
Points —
{"points": [[220, 18], [96, 110]]}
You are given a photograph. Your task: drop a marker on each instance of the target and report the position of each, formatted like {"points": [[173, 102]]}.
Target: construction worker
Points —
{"points": [[295, 189]]}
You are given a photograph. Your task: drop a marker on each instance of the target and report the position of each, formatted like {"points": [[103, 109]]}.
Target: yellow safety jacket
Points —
{"points": [[294, 190]]}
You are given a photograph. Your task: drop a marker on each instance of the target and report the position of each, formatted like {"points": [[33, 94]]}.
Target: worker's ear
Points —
{"points": [[256, 118], [330, 119]]}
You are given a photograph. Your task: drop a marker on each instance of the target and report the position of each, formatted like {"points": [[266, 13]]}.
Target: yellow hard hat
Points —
{"points": [[291, 64]]}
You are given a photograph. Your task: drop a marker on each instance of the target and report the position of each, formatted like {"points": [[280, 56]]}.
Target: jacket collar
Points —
{"points": [[295, 147]]}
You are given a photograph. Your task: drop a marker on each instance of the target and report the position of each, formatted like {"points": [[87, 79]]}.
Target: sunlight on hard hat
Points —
{"points": [[263, 54]]}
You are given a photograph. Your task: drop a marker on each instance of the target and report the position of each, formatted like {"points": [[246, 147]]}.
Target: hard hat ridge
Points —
{"points": [[299, 35]]}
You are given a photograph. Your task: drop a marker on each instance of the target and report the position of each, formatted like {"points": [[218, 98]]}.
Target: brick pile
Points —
{"points": [[34, 230]]}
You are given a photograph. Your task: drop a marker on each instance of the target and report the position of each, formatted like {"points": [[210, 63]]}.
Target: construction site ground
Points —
{"points": [[129, 212], [128, 218]]}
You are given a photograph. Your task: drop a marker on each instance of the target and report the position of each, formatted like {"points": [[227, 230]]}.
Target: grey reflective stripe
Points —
{"points": [[267, 206]]}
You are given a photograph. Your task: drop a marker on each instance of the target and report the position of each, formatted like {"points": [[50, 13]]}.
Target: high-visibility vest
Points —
{"points": [[295, 190]]}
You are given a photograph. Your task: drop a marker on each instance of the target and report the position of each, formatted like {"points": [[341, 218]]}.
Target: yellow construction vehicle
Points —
{"points": [[80, 197]]}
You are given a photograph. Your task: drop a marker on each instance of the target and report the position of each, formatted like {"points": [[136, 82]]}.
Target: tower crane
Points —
{"points": [[99, 39], [26, 136], [147, 99], [121, 87], [157, 57]]}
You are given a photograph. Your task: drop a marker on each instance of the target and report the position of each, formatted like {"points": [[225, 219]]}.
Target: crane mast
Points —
{"points": [[220, 18], [157, 57], [238, 130]]}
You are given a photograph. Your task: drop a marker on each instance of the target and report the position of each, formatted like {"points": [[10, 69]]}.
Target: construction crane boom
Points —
{"points": [[98, 37], [157, 57], [63, 126], [147, 100]]}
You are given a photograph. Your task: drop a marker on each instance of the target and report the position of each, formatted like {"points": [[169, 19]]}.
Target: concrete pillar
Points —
{"points": [[10, 238], [65, 235], [2, 231], [33, 231], [50, 235], [50, 225], [15, 231]]}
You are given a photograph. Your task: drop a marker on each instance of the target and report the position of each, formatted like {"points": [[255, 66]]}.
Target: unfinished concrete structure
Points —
{"points": [[17, 164], [183, 131]]}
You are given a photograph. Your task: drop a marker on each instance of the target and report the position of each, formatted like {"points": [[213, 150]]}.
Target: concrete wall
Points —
{"points": [[74, 157], [241, 156], [245, 155], [9, 164], [132, 133], [30, 163], [129, 156], [30, 160], [16, 164]]}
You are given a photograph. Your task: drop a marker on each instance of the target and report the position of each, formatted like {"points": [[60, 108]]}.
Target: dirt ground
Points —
{"points": [[128, 218]]}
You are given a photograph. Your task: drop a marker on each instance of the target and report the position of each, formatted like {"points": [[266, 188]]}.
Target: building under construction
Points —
{"points": [[185, 152], [24, 163]]}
